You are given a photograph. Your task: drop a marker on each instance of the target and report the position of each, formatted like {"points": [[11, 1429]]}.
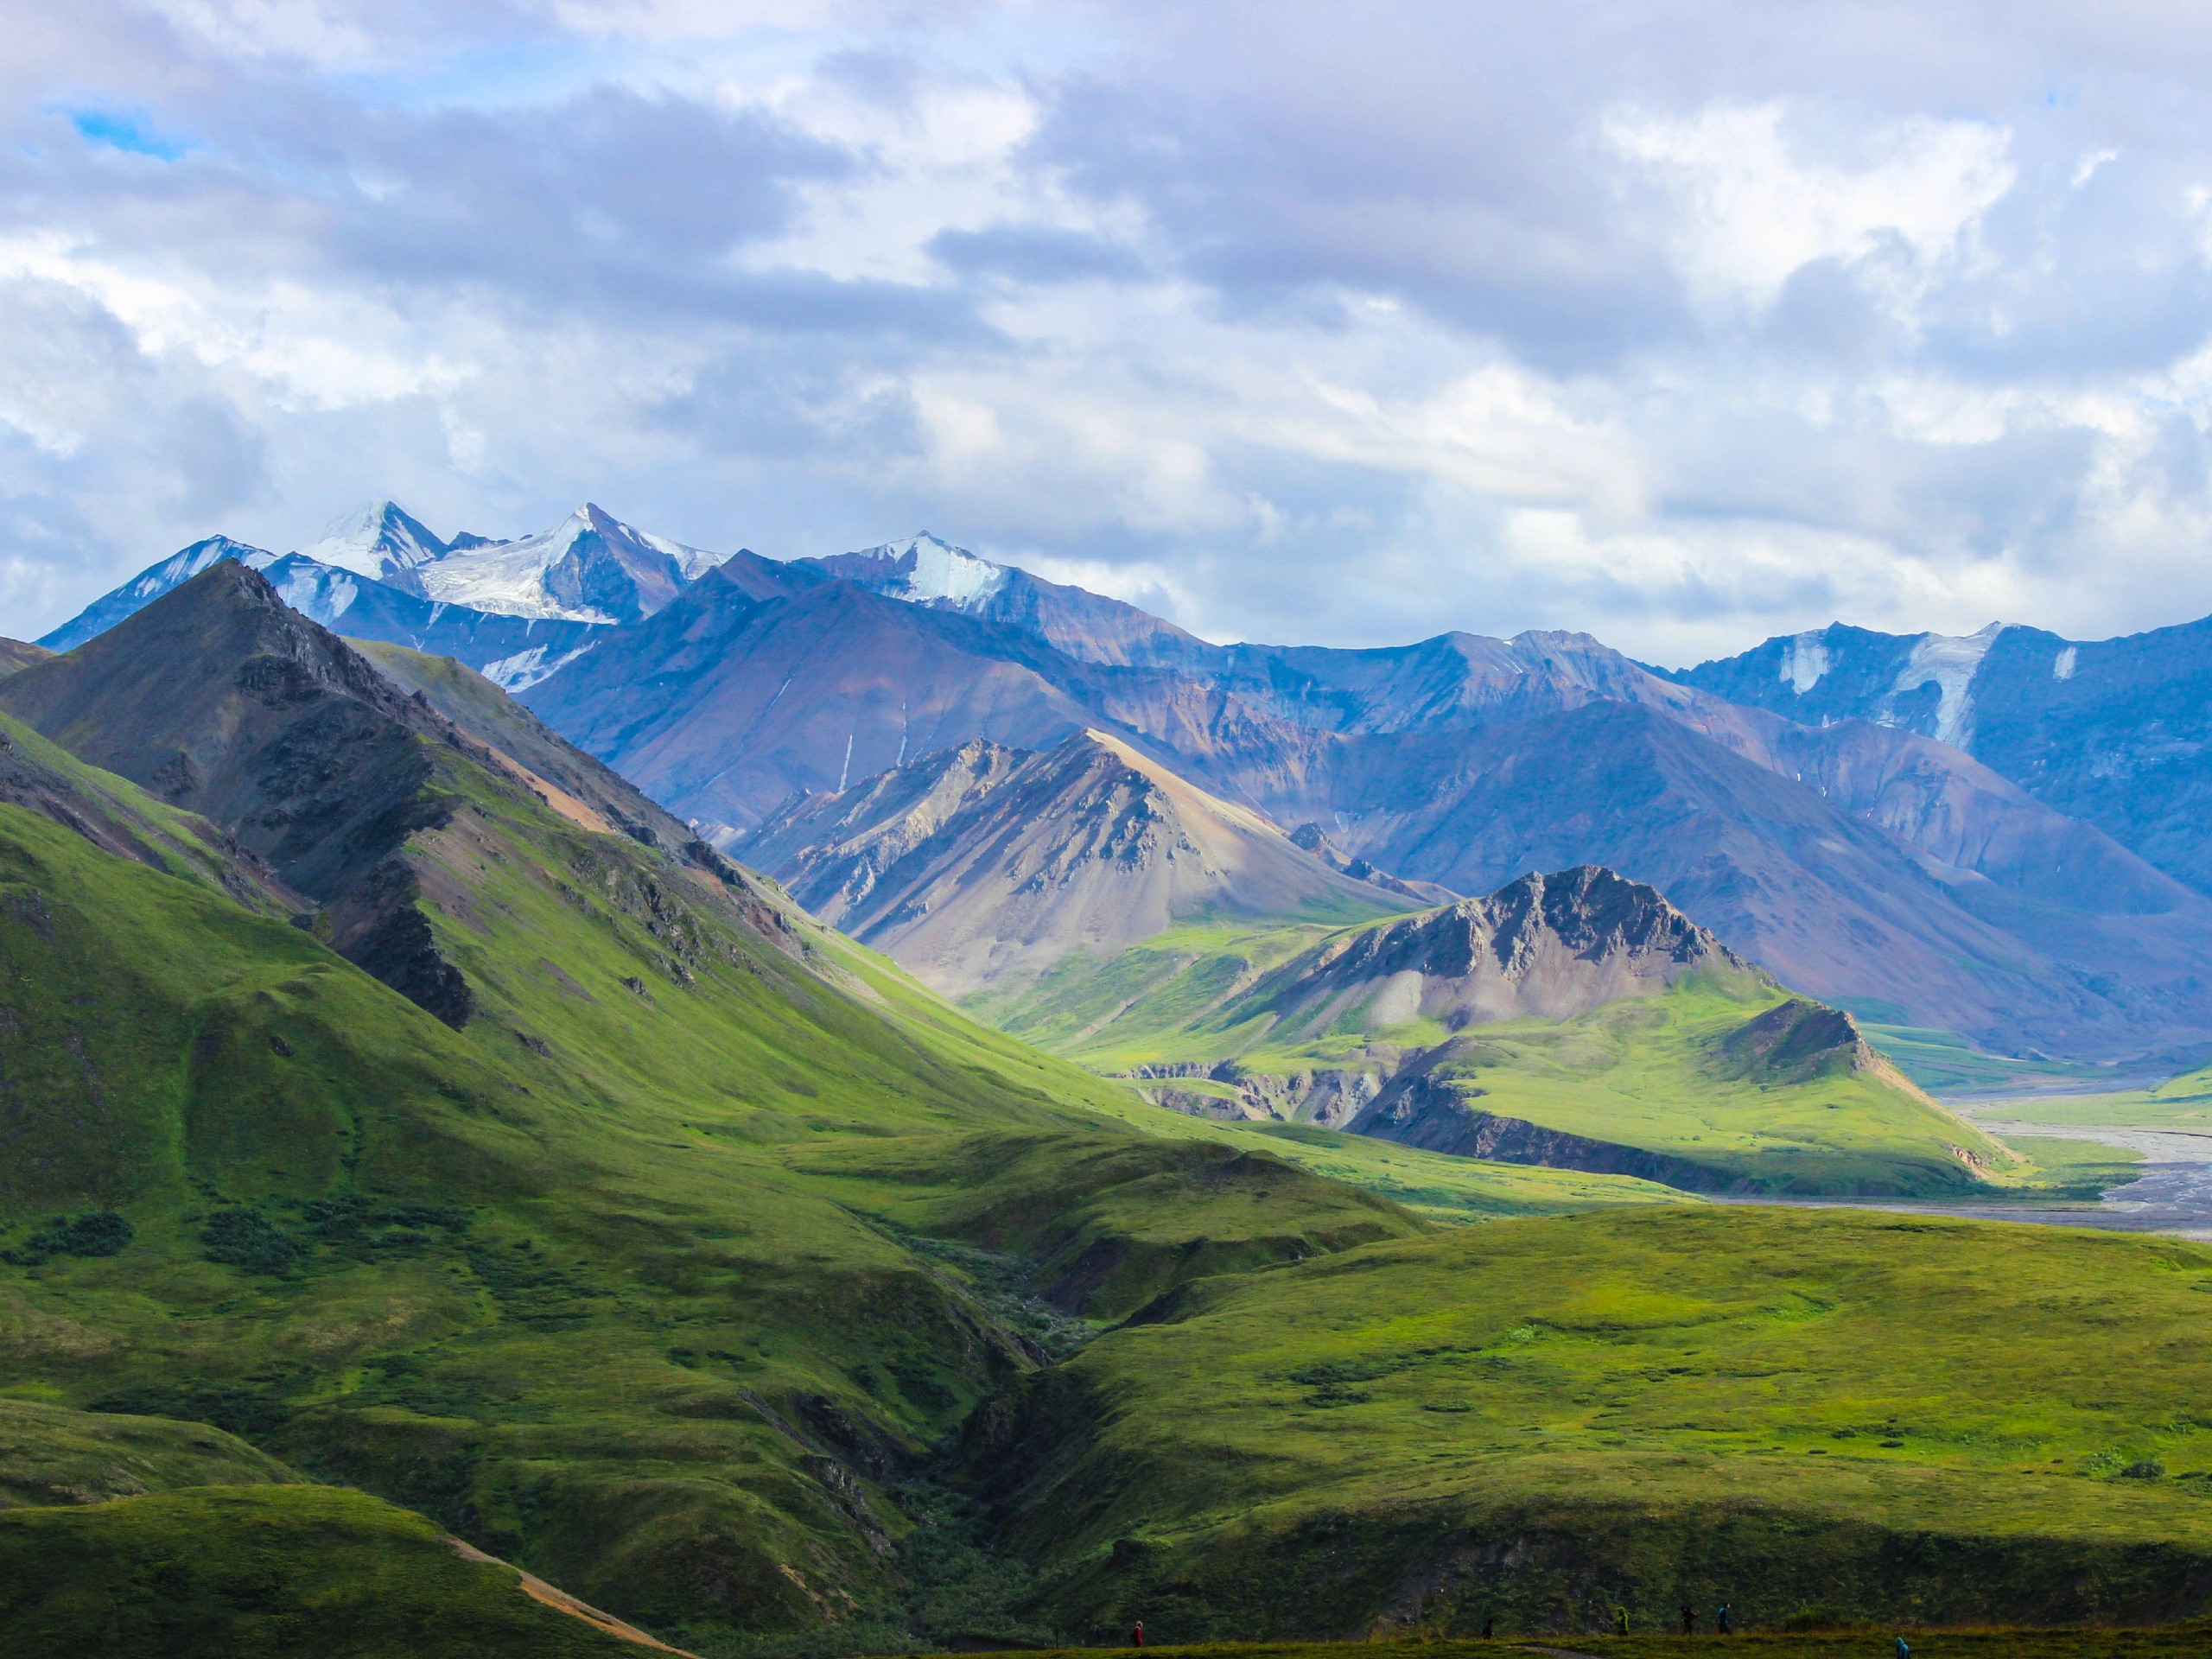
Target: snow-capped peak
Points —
{"points": [[379, 540], [591, 567], [925, 569]]}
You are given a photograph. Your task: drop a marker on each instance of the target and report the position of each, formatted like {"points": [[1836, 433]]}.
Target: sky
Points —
{"points": [[1681, 324]]}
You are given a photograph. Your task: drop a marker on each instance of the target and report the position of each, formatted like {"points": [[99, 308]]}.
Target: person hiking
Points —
{"points": [[1723, 1619], [1689, 1621], [1490, 1628], [1903, 1652], [1136, 1637], [1620, 1621]]}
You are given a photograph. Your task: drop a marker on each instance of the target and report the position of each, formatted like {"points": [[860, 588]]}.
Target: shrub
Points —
{"points": [[247, 1238], [97, 1232]]}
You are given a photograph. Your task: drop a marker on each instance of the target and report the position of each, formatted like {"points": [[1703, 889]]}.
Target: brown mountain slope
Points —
{"points": [[549, 762], [982, 867], [16, 654], [47, 779], [316, 762], [219, 699]]}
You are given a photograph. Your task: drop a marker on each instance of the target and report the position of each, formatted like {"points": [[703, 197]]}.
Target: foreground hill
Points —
{"points": [[1900, 1420], [1575, 1019], [981, 868]]}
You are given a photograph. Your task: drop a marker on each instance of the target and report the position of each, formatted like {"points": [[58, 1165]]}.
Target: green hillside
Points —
{"points": [[1653, 1074], [2181, 1103], [1804, 1412], [377, 1246], [657, 1277], [267, 1573]]}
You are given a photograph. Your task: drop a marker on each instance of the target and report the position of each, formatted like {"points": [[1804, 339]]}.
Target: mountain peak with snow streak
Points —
{"points": [[589, 568], [380, 540], [923, 569]]}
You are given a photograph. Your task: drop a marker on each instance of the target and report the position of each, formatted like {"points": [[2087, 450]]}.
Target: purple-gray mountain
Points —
{"points": [[1991, 835]]}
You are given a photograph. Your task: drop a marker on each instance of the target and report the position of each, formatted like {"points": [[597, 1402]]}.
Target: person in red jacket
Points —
{"points": [[1136, 1637]]}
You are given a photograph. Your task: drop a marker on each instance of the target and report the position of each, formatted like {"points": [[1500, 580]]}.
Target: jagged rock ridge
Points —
{"points": [[1545, 945]]}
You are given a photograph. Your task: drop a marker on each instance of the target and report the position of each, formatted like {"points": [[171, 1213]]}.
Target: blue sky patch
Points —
{"points": [[134, 134]]}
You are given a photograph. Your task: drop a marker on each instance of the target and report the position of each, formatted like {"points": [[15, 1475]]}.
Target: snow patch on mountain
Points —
{"points": [[1804, 660], [176, 571], [316, 590], [2062, 667], [924, 571], [526, 667], [589, 568], [1949, 660]]}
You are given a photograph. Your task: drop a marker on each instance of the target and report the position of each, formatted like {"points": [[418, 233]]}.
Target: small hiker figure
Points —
{"points": [[1689, 1621], [1903, 1652], [1136, 1637], [1722, 1619], [1490, 1628], [1620, 1621]]}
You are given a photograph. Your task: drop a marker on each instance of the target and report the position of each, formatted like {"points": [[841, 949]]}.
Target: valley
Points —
{"points": [[1130, 1128]]}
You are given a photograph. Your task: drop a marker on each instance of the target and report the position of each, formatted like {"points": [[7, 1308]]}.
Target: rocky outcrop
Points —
{"points": [[1544, 945], [1328, 1097]]}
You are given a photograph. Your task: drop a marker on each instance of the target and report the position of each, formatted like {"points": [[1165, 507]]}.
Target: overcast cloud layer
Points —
{"points": [[1683, 324]]}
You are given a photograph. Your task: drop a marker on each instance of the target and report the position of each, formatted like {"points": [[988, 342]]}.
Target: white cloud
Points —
{"points": [[1758, 210], [1349, 327]]}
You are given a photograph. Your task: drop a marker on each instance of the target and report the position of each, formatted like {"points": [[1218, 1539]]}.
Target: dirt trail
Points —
{"points": [[538, 1589]]}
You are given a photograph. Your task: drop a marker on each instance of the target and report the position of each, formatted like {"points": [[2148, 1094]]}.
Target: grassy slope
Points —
{"points": [[1436, 1184], [256, 1572], [662, 1360], [179, 843], [1900, 1419], [1944, 1063], [49, 1454], [1641, 1074], [729, 1240]]}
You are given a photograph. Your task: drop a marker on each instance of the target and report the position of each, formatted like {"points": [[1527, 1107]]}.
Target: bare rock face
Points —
{"points": [[984, 865], [1544, 945], [221, 699]]}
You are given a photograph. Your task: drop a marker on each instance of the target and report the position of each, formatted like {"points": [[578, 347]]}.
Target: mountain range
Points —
{"points": [[514, 610], [1837, 835], [421, 1152]]}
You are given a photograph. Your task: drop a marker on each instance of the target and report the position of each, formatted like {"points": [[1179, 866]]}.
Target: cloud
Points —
{"points": [[1681, 323], [1755, 213]]}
